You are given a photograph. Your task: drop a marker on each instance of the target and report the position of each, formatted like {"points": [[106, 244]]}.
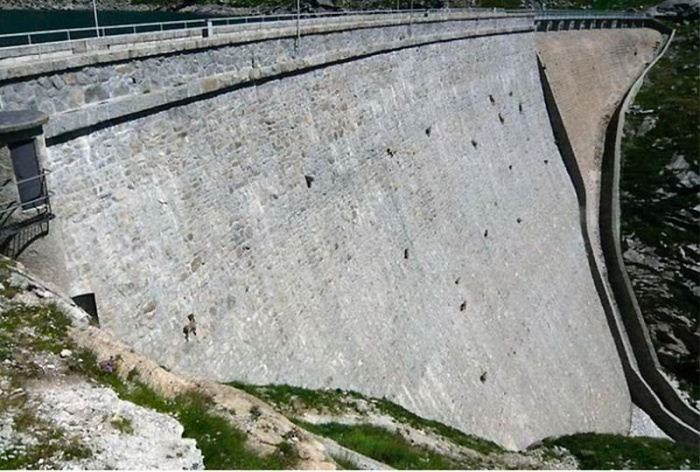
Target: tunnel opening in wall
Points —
{"points": [[88, 304]]}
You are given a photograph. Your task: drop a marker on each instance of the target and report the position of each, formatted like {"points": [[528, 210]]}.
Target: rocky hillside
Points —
{"points": [[53, 416], [660, 206], [72, 398]]}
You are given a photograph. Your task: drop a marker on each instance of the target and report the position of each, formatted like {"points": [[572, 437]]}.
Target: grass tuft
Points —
{"points": [[338, 401], [609, 451], [383, 445], [121, 424], [223, 446]]}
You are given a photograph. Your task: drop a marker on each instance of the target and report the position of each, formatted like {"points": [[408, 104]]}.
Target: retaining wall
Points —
{"points": [[391, 217], [582, 154], [617, 274]]}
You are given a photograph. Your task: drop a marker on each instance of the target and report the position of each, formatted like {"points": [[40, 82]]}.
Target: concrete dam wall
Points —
{"points": [[382, 209]]}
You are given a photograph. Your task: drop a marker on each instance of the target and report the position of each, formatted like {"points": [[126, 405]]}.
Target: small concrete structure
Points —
{"points": [[25, 207], [20, 124]]}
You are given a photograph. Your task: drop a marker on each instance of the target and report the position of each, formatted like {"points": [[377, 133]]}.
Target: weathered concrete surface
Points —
{"points": [[435, 258], [586, 112], [590, 72]]}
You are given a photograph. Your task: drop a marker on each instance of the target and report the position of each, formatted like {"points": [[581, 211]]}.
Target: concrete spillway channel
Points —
{"points": [[377, 205], [681, 421], [649, 388]]}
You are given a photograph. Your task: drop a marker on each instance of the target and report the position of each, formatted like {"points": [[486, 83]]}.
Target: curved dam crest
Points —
{"points": [[401, 224]]}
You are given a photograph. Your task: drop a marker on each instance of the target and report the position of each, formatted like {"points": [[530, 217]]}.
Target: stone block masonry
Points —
{"points": [[70, 82], [398, 223]]}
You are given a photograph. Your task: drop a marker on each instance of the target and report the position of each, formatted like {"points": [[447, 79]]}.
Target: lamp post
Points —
{"points": [[298, 20], [97, 25]]}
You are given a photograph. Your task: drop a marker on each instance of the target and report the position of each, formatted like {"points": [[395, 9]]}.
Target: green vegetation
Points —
{"points": [[223, 446], [284, 396], [39, 328], [609, 451], [383, 445], [671, 90], [291, 399], [344, 464], [27, 330], [122, 424], [403, 415]]}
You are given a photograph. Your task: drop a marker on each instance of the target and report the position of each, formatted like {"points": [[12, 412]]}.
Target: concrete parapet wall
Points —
{"points": [[52, 50], [115, 67], [85, 89]]}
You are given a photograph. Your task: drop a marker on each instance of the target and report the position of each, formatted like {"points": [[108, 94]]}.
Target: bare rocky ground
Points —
{"points": [[118, 434], [61, 408], [54, 419]]}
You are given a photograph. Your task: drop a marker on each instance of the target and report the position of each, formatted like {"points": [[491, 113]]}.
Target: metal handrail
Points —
{"points": [[72, 34], [40, 175], [547, 14], [44, 199]]}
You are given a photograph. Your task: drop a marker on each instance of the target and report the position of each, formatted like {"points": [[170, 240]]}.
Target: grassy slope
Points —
{"points": [[608, 451], [385, 446], [337, 401], [594, 451], [222, 445], [25, 330], [30, 330]]}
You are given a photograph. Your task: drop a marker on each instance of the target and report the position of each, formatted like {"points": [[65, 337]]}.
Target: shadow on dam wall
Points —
{"points": [[653, 394], [400, 224]]}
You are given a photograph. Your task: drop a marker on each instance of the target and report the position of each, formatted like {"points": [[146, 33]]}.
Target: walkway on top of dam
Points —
{"points": [[543, 20]]}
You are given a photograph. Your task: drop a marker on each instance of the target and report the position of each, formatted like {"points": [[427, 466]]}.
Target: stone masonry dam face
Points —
{"points": [[398, 223]]}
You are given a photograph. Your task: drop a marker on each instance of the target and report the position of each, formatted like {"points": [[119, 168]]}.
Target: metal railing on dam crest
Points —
{"points": [[544, 19]]}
